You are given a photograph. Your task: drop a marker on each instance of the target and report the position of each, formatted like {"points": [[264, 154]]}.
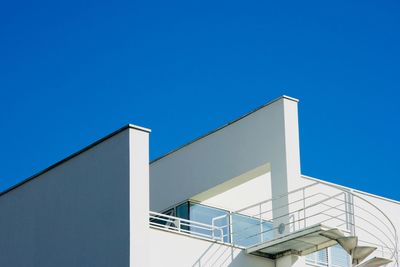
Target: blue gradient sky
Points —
{"points": [[73, 71]]}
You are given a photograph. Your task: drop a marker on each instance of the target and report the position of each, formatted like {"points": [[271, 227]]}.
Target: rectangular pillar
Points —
{"points": [[285, 165], [139, 196]]}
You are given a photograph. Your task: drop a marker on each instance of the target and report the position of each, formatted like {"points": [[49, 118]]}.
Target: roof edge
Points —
{"points": [[136, 127], [58, 163], [289, 98]]}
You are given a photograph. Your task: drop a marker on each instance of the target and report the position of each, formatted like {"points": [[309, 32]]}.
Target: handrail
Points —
{"points": [[286, 205], [275, 228], [388, 231], [277, 197], [278, 217], [373, 225], [390, 221], [178, 222]]}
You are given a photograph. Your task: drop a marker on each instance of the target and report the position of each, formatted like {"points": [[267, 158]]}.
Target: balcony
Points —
{"points": [[312, 221]]}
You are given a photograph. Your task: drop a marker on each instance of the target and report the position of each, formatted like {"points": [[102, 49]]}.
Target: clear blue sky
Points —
{"points": [[73, 71]]}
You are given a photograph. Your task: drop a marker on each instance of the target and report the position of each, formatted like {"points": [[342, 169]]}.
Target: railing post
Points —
{"points": [[349, 212], [261, 224], [212, 228], [230, 223], [299, 220], [352, 213], [304, 207], [397, 251]]}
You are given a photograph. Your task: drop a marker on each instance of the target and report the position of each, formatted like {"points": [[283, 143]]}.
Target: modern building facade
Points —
{"points": [[233, 197]]}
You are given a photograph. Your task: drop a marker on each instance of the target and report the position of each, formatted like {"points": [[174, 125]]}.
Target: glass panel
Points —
{"points": [[247, 230], [205, 214], [268, 234], [182, 211]]}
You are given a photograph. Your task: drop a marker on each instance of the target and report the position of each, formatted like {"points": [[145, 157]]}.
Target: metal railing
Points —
{"points": [[175, 224], [296, 210], [311, 205]]}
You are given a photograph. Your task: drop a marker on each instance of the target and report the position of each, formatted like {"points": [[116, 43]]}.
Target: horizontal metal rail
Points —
{"points": [[277, 197], [179, 225]]}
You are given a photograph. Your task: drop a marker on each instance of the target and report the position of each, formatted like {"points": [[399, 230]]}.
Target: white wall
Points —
{"points": [[252, 191], [268, 136], [171, 249], [78, 212]]}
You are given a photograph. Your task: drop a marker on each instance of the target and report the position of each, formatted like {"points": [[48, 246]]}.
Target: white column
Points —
{"points": [[285, 165], [139, 195]]}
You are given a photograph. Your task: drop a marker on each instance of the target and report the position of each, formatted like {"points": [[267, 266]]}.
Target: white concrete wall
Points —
{"points": [[171, 249], [243, 195], [267, 137], [78, 212]]}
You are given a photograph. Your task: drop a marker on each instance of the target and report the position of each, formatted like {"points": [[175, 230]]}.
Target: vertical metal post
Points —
{"points": [[261, 224], [299, 221], [396, 247], [230, 227], [304, 207], [347, 211], [178, 224], [352, 213]]}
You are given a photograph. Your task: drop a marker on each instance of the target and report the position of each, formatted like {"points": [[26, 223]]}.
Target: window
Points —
{"points": [[334, 256], [319, 258], [339, 257]]}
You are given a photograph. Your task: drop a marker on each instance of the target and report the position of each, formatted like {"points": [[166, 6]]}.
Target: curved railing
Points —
{"points": [[317, 204], [383, 220]]}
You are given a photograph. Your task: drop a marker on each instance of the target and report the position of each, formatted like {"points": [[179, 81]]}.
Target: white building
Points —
{"points": [[234, 197]]}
